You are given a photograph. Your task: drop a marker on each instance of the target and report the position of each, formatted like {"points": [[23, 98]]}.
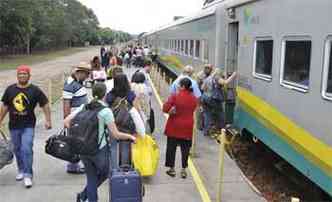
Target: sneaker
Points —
{"points": [[171, 172], [78, 198], [19, 177], [76, 171], [183, 173], [27, 182]]}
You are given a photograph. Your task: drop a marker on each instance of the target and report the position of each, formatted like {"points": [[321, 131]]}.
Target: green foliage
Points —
{"points": [[45, 24]]}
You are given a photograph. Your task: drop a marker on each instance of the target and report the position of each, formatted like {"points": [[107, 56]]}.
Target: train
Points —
{"points": [[282, 52]]}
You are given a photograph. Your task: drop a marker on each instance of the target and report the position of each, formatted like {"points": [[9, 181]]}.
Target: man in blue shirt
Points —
{"points": [[187, 73]]}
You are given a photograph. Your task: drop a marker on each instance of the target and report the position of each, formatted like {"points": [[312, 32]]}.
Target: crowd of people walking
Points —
{"points": [[124, 111]]}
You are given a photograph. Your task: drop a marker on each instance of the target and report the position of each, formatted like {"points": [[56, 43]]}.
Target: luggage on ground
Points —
{"points": [[146, 155], [58, 147], [83, 132], [6, 154], [125, 182]]}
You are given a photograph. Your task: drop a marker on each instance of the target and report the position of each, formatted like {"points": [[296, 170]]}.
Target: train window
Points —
{"points": [[263, 59], [205, 50], [186, 47], [296, 64], [197, 48], [182, 46], [191, 48], [179, 46], [327, 85]]}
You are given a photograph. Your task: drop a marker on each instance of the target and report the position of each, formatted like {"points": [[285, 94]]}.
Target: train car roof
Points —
{"points": [[207, 10], [235, 3], [202, 13]]}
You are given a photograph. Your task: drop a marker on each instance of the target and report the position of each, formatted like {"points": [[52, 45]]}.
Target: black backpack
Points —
{"points": [[123, 119], [83, 131]]}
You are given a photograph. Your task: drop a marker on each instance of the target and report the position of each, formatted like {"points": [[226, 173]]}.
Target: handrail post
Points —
{"points": [[50, 99], [193, 145], [221, 164]]}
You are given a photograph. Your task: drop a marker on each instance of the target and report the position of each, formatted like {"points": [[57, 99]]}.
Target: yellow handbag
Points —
{"points": [[145, 155]]}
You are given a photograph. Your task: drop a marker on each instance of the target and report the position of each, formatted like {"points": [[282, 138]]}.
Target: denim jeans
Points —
{"points": [[97, 170], [213, 118], [22, 140]]}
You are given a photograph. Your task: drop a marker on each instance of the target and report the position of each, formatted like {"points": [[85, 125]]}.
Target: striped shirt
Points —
{"points": [[75, 92]]}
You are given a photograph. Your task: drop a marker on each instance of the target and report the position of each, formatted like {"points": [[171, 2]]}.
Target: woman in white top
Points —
{"points": [[98, 72], [143, 95]]}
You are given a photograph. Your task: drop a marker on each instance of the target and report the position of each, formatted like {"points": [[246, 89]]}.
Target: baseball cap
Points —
{"points": [[23, 69]]}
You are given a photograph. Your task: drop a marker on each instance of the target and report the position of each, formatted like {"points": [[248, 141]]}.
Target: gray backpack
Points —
{"points": [[6, 154]]}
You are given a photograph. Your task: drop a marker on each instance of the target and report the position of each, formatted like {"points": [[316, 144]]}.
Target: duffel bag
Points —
{"points": [[57, 146], [6, 154]]}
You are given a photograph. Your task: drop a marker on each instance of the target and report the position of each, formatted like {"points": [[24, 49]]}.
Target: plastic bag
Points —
{"points": [[146, 155]]}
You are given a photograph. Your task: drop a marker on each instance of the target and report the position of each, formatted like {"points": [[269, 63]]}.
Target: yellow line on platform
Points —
{"points": [[197, 179]]}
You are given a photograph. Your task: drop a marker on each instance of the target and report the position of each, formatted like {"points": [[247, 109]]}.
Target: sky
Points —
{"points": [[137, 16]]}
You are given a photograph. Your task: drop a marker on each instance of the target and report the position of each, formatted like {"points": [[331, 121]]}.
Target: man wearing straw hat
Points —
{"points": [[75, 95], [20, 100]]}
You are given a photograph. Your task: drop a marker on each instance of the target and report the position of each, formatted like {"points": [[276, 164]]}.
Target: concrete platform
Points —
{"points": [[53, 184]]}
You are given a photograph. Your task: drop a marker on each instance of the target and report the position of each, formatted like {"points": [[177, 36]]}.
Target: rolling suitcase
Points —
{"points": [[125, 182]]}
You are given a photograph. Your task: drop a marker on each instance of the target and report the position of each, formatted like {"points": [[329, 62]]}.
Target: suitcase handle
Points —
{"points": [[126, 167], [121, 142]]}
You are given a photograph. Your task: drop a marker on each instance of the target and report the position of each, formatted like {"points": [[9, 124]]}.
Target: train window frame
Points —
{"points": [[264, 77], [327, 68], [289, 84]]}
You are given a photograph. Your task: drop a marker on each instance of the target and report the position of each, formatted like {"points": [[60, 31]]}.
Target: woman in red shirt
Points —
{"points": [[179, 126]]}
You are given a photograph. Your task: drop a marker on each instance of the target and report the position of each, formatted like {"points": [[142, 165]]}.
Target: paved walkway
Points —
{"points": [[53, 184]]}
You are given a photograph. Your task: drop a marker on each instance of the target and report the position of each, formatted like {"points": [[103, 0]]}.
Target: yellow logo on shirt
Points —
{"points": [[20, 102]]}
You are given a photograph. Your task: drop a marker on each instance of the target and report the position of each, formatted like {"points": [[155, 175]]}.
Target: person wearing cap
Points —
{"points": [[187, 73], [75, 95], [20, 100]]}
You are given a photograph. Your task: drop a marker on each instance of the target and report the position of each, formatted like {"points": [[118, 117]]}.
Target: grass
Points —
{"points": [[173, 62], [11, 62]]}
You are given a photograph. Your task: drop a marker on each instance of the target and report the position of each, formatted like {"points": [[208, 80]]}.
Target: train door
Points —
{"points": [[231, 66]]}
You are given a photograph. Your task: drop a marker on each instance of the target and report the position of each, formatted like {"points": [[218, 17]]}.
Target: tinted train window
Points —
{"points": [[186, 47], [182, 46], [191, 48], [264, 58], [197, 48], [329, 77], [297, 62]]}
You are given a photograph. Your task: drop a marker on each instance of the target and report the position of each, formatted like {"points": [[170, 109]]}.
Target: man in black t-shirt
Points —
{"points": [[20, 100]]}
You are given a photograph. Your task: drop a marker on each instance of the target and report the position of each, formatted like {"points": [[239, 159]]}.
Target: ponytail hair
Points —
{"points": [[186, 84]]}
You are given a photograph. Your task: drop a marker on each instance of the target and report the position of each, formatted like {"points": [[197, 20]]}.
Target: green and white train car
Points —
{"points": [[282, 51]]}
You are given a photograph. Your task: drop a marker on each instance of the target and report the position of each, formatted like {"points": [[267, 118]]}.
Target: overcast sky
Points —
{"points": [[136, 16]]}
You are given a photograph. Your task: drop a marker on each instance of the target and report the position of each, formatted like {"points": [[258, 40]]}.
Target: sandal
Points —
{"points": [[171, 172], [183, 174]]}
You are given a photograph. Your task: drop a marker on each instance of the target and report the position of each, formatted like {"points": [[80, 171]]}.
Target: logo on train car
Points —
{"points": [[250, 18]]}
